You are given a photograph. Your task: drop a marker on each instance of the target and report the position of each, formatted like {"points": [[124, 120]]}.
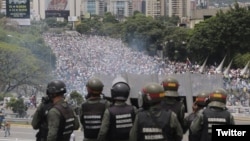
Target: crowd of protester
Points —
{"points": [[79, 57]]}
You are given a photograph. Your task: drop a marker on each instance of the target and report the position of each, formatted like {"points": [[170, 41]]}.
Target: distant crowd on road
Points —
{"points": [[79, 57]]}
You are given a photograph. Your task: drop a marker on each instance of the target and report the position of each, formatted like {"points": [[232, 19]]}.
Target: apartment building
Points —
{"points": [[120, 8], [93, 7], [54, 8], [3, 6], [153, 8], [137, 5], [179, 8]]}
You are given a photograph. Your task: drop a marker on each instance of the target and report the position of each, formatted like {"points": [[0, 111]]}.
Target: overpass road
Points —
{"points": [[26, 133]]}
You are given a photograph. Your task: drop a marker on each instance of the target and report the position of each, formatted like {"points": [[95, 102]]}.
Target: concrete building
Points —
{"points": [[154, 8], [53, 8], [93, 7], [78, 8], [137, 5], [3, 6], [199, 15], [120, 8], [179, 8]]}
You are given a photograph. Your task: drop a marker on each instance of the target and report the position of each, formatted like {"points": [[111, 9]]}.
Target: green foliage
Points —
{"points": [[2, 95], [2, 15], [242, 59], [40, 26], [90, 26], [18, 67], [52, 22], [110, 29], [109, 18], [30, 38], [83, 28], [25, 60], [138, 31], [226, 34], [168, 21], [142, 32], [176, 39], [17, 106]]}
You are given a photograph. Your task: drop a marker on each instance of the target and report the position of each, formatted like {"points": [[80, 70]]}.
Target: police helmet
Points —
{"points": [[120, 91], [202, 98], [152, 93], [218, 98], [95, 86], [170, 86], [56, 87]]}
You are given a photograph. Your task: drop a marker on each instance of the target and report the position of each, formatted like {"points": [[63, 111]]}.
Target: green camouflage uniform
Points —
{"points": [[53, 118], [91, 100], [105, 123], [39, 122], [174, 124], [37, 117], [181, 114], [197, 123]]}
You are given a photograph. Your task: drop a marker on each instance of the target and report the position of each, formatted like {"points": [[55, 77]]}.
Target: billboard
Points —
{"points": [[57, 8], [19, 9]]}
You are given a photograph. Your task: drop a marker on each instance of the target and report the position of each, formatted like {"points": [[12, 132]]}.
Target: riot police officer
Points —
{"points": [[92, 110], [172, 100], [215, 113], [199, 104], [62, 120], [118, 119], [155, 123], [39, 120]]}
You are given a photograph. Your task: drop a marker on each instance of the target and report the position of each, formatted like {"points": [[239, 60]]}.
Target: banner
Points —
{"points": [[57, 8], [19, 9]]}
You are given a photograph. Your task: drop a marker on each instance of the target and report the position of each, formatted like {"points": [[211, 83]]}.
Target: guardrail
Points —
{"points": [[239, 111], [19, 120]]}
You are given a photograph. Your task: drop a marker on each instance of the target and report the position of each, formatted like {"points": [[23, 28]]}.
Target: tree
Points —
{"points": [[19, 68], [175, 41], [141, 32], [52, 22], [169, 21], [17, 106], [109, 18], [111, 30], [226, 34], [83, 28], [27, 62]]}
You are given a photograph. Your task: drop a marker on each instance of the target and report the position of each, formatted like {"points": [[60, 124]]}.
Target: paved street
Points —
{"points": [[26, 133]]}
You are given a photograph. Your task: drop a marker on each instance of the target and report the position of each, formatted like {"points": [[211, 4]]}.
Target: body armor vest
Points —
{"points": [[191, 136], [176, 108], [92, 118], [121, 121], [153, 128], [213, 116], [66, 122], [43, 130]]}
